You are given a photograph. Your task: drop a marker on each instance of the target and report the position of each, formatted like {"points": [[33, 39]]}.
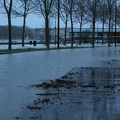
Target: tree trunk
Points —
{"points": [[58, 31], [93, 33], [80, 41], [71, 30], [65, 33], [109, 33], [115, 20], [23, 31], [47, 31], [103, 33], [9, 32]]}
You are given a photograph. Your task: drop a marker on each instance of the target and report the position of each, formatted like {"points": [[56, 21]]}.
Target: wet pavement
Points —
{"points": [[88, 93], [21, 70]]}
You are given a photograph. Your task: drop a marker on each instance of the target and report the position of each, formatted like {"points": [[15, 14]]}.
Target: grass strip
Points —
{"points": [[5, 51]]}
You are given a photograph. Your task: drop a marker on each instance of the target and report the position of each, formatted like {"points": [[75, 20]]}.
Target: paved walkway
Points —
{"points": [[19, 71], [87, 93]]}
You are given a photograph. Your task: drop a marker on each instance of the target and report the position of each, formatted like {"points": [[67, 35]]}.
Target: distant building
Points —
{"points": [[99, 34], [39, 33]]}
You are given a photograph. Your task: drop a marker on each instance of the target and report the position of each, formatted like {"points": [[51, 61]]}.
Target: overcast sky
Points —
{"points": [[32, 21]]}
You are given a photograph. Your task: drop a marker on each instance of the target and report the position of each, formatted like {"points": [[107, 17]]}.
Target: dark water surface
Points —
{"points": [[18, 71]]}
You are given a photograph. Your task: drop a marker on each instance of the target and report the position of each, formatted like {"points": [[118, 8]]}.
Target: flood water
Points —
{"points": [[20, 70]]}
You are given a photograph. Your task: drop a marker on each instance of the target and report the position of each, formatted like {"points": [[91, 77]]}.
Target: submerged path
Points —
{"points": [[21, 70], [81, 94]]}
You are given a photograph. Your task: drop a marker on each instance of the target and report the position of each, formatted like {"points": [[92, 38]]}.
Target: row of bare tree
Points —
{"points": [[105, 12]]}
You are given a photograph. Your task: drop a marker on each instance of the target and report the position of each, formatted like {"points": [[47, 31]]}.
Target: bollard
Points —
{"points": [[34, 43], [30, 42]]}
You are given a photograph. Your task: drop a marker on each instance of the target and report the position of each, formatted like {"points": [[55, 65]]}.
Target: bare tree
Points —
{"points": [[79, 16], [118, 19], [7, 9], [71, 10], [110, 14], [64, 14], [45, 8], [102, 16], [117, 14], [21, 9], [92, 11]]}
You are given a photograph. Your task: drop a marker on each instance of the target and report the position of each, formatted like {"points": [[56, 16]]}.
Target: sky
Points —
{"points": [[32, 21]]}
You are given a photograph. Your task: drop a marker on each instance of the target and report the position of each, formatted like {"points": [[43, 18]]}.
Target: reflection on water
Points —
{"points": [[95, 97]]}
